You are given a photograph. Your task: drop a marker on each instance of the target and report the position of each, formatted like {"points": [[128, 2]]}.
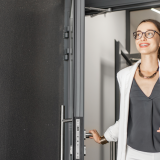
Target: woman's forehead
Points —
{"points": [[146, 26]]}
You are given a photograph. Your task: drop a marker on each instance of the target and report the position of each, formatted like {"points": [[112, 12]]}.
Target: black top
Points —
{"points": [[144, 119]]}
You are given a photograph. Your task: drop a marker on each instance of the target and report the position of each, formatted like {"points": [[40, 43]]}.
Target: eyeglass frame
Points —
{"points": [[145, 34]]}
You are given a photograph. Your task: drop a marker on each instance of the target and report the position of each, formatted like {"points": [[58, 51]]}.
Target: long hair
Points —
{"points": [[157, 24]]}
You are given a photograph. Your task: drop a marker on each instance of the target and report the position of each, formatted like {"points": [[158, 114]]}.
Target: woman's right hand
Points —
{"points": [[96, 136]]}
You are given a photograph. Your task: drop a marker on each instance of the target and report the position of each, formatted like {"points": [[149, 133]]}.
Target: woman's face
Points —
{"points": [[151, 45]]}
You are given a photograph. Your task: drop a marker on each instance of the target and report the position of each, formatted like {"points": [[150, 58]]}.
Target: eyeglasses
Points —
{"points": [[148, 34]]}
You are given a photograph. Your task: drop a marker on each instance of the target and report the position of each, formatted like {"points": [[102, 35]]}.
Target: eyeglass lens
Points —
{"points": [[148, 34]]}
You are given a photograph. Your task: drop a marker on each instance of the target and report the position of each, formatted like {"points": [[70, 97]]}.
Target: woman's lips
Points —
{"points": [[143, 45]]}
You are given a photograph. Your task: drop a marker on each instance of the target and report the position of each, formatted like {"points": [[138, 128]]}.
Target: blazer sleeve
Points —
{"points": [[111, 133]]}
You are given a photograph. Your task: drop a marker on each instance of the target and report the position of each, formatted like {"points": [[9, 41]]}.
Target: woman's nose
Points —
{"points": [[143, 37]]}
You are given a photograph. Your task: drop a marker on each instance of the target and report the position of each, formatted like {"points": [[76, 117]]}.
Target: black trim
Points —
{"points": [[117, 68], [129, 63], [128, 31], [117, 92], [135, 7], [115, 3], [132, 7]]}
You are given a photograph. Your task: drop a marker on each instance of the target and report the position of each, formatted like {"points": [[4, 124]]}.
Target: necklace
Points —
{"points": [[140, 73]]}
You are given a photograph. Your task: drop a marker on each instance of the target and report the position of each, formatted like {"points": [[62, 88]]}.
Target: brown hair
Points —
{"points": [[157, 24]]}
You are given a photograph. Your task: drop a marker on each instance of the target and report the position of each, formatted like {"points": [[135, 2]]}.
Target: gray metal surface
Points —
{"points": [[118, 5], [74, 21], [68, 78], [63, 121], [78, 113], [79, 58], [31, 78], [113, 3], [78, 138], [101, 11]]}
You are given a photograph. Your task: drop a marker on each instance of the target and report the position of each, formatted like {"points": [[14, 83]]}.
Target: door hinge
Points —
{"points": [[66, 33], [66, 55]]}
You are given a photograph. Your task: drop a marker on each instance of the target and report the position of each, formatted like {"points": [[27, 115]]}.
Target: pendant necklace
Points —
{"points": [[147, 77]]}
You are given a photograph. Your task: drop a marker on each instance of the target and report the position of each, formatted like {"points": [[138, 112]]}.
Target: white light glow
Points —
{"points": [[155, 10]]}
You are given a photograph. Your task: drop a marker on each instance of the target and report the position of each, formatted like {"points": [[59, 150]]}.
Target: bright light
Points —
{"points": [[155, 10]]}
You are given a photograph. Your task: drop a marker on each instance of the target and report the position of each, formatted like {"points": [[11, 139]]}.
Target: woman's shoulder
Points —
{"points": [[123, 72]]}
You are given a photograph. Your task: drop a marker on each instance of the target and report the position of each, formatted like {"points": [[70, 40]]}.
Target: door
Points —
{"points": [[73, 118], [72, 112], [31, 79]]}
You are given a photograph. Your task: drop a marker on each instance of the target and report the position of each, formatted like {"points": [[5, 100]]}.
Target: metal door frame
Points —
{"points": [[74, 28], [128, 8], [124, 6]]}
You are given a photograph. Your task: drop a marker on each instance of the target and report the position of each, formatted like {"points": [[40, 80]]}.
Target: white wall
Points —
{"points": [[135, 18], [133, 48], [100, 33]]}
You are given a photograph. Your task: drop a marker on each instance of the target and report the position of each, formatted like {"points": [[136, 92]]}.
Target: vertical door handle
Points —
{"points": [[62, 128]]}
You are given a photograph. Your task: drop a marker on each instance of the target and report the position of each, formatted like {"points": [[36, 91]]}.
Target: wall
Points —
{"points": [[100, 33], [135, 18]]}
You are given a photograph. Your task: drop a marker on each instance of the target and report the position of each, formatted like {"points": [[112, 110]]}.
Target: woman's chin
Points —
{"points": [[144, 52]]}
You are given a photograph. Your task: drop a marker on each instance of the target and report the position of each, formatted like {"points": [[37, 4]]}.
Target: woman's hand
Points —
{"points": [[96, 136], [158, 130]]}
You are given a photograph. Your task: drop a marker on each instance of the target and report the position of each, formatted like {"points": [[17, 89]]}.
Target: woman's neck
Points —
{"points": [[149, 63]]}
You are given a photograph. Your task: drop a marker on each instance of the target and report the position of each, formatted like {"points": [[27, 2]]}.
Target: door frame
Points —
{"points": [[128, 8], [124, 6], [73, 81]]}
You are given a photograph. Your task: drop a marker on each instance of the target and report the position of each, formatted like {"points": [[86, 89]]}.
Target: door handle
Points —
{"points": [[63, 121], [87, 135]]}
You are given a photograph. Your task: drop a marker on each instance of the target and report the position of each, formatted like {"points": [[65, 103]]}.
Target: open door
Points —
{"points": [[72, 112]]}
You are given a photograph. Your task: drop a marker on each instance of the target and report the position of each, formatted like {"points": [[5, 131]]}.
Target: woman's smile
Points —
{"points": [[144, 45]]}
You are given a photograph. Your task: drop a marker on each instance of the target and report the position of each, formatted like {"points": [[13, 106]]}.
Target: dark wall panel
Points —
{"points": [[114, 3], [31, 78]]}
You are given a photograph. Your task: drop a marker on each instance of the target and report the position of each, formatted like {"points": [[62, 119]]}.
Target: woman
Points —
{"points": [[138, 127]]}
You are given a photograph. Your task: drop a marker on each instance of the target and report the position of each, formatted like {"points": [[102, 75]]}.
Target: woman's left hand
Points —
{"points": [[158, 130]]}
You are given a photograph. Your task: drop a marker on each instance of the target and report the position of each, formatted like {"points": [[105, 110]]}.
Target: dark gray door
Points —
{"points": [[31, 78]]}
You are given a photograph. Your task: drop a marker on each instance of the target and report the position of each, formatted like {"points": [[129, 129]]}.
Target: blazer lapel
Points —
{"points": [[130, 75], [129, 79]]}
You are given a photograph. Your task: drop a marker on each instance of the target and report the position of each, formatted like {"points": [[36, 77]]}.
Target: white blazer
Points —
{"points": [[118, 131]]}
